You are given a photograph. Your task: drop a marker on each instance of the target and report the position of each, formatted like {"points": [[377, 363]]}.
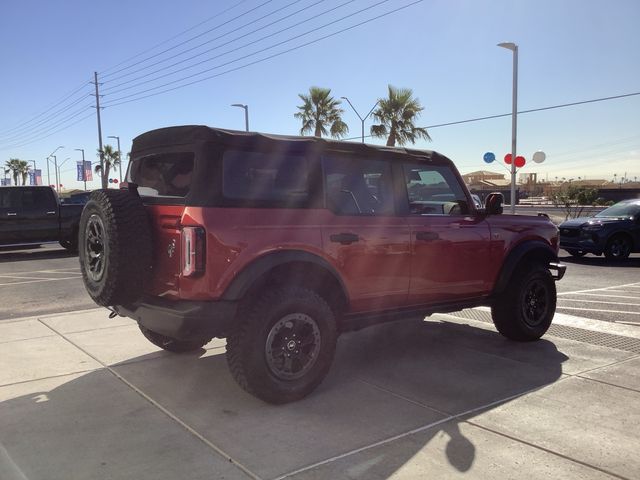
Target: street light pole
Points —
{"points": [[55, 171], [119, 155], [514, 120], [47, 159], [246, 114], [84, 171], [60, 166], [362, 120]]}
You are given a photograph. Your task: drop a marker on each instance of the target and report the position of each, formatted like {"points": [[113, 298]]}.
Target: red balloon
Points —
{"points": [[507, 159], [520, 161]]}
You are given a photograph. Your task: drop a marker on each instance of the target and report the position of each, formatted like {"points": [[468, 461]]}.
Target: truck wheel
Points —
{"points": [[524, 312], [284, 344], [172, 344], [115, 247], [618, 247]]}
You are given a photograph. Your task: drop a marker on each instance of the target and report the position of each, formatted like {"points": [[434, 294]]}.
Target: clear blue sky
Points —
{"points": [[445, 50]]}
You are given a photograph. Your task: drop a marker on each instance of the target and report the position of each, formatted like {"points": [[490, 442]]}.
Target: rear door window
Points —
{"points": [[265, 179], [163, 175]]}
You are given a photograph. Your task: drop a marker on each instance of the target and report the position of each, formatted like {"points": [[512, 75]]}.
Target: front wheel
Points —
{"points": [[284, 344], [618, 248], [524, 312]]}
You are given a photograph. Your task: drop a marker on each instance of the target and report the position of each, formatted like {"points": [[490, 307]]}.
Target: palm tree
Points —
{"points": [[18, 168], [320, 113], [396, 115], [111, 159]]}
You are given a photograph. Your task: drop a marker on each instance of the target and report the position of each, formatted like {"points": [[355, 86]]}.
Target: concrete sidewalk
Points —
{"points": [[86, 397]]}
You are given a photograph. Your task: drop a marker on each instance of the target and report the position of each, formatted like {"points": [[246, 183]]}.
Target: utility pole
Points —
{"points": [[104, 179]]}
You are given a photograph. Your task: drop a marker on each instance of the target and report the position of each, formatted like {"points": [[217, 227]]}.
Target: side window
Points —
{"points": [[356, 186], [163, 175], [265, 179], [37, 199], [434, 190]]}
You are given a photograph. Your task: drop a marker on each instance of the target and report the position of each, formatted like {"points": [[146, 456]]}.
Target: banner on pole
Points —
{"points": [[86, 174]]}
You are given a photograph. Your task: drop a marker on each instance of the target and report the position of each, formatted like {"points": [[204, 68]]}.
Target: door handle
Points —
{"points": [[11, 214], [427, 236], [344, 238], [51, 213]]}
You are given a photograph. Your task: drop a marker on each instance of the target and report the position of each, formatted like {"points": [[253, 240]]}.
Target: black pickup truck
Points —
{"points": [[34, 215]]}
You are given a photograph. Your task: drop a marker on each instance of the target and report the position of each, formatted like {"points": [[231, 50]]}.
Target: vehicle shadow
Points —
{"points": [[385, 381], [11, 254], [631, 262]]}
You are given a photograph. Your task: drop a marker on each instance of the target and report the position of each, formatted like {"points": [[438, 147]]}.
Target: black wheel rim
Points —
{"points": [[619, 248], [535, 303], [293, 345], [94, 248]]}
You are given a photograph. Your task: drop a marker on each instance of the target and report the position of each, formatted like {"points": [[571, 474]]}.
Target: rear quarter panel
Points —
{"points": [[237, 236]]}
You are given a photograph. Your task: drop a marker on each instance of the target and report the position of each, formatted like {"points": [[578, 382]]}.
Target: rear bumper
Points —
{"points": [[182, 319]]}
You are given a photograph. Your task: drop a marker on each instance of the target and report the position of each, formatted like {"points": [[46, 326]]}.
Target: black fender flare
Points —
{"points": [[243, 281], [543, 251]]}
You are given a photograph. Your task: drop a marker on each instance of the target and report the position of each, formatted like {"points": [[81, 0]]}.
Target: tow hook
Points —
{"points": [[557, 270]]}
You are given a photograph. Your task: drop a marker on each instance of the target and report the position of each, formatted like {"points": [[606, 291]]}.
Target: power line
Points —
{"points": [[150, 49], [36, 117], [221, 45], [52, 117], [552, 107], [188, 40], [242, 57], [117, 101], [50, 134]]}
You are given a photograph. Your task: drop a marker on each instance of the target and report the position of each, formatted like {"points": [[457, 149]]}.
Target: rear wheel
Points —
{"points": [[618, 247], [524, 312], [172, 344], [284, 344]]}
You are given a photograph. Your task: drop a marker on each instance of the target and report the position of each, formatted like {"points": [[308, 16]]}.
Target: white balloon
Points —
{"points": [[539, 156]]}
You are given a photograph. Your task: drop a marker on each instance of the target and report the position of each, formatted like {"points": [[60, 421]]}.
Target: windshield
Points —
{"points": [[620, 210]]}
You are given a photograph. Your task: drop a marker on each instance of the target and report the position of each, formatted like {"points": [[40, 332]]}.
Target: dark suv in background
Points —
{"points": [[279, 243], [614, 232]]}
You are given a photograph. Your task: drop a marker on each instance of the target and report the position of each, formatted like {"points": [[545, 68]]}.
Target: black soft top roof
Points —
{"points": [[191, 134]]}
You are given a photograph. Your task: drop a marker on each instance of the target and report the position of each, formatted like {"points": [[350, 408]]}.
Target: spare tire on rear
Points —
{"points": [[114, 247]]}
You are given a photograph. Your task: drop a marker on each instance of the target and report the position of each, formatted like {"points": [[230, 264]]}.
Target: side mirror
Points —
{"points": [[493, 204]]}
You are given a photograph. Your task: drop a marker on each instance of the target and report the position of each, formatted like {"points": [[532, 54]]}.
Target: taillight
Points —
{"points": [[193, 251]]}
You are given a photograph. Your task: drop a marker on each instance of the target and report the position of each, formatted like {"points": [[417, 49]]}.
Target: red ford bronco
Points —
{"points": [[279, 243]]}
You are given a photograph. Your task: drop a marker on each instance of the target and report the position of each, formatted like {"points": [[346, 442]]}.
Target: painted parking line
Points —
{"points": [[635, 297], [37, 281], [51, 270], [598, 310], [632, 285], [581, 300]]}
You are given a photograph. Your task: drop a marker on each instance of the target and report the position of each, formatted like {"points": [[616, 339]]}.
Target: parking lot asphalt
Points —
{"points": [[83, 396]]}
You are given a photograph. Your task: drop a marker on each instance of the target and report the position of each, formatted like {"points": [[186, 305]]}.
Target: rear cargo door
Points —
{"points": [[164, 183]]}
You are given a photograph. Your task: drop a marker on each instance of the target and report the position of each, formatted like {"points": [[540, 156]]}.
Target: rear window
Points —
{"points": [[265, 177], [163, 175]]}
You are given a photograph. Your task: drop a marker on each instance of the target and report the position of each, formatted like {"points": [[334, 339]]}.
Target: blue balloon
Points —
{"points": [[489, 157]]}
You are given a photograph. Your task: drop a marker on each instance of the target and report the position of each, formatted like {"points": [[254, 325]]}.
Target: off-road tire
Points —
{"points": [[125, 247], [618, 247], [247, 352], [172, 344], [525, 310]]}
